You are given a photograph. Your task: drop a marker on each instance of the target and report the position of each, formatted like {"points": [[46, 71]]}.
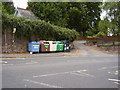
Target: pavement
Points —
{"points": [[73, 52]]}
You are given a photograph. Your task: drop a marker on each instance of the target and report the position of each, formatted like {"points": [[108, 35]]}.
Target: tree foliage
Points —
{"points": [[8, 7], [113, 15], [50, 12], [104, 25], [80, 16]]}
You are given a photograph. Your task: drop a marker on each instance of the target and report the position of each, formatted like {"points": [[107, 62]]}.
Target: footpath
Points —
{"points": [[27, 55], [73, 52]]}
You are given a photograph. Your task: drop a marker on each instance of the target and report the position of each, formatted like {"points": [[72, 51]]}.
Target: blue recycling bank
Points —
{"points": [[34, 46]]}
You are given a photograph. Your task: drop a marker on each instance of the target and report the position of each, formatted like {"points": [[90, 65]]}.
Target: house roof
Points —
{"points": [[25, 13]]}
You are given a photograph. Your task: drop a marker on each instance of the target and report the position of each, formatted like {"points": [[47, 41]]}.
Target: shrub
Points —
{"points": [[97, 35], [39, 29]]}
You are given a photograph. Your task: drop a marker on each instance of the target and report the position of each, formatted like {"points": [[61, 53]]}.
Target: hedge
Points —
{"points": [[40, 30]]}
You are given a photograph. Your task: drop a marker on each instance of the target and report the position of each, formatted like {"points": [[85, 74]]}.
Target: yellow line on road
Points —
{"points": [[13, 58], [3, 62], [76, 53], [100, 51], [73, 54], [116, 83]]}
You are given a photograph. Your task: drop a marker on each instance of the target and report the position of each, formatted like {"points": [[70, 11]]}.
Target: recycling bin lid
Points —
{"points": [[65, 41], [58, 42], [34, 42], [51, 42], [46, 43]]}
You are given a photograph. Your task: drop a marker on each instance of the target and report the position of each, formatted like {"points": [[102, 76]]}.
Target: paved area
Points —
{"points": [[85, 68], [49, 54], [73, 52]]}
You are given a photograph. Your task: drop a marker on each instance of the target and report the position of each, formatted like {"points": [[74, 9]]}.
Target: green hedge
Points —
{"points": [[38, 29]]}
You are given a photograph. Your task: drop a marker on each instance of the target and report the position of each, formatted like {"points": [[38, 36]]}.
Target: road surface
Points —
{"points": [[88, 68]]}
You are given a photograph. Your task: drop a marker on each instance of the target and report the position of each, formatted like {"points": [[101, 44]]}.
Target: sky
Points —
{"points": [[23, 4], [103, 14], [20, 3]]}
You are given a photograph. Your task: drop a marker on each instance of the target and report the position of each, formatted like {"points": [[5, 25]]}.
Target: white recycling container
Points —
{"points": [[53, 46]]}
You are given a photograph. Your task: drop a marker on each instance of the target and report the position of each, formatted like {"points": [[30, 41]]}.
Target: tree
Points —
{"points": [[113, 16], [84, 16], [8, 7], [80, 16], [104, 26], [50, 12]]}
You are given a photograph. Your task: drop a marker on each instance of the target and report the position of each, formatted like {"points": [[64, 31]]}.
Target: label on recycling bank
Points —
{"points": [[46, 46], [36, 46]]}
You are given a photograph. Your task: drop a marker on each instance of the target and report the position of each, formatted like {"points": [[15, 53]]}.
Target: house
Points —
{"points": [[20, 12]]}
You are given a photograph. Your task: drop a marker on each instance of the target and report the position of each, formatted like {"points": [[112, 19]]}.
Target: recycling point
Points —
{"points": [[53, 46], [33, 47], [49, 46], [60, 45], [45, 46], [67, 45]]}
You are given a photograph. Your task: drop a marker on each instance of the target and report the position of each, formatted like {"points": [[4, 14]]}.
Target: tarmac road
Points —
{"points": [[88, 68]]}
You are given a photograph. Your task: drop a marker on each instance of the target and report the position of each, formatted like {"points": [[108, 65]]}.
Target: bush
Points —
{"points": [[38, 29], [97, 35]]}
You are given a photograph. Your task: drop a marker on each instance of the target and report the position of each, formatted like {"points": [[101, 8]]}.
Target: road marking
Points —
{"points": [[103, 68], [114, 73], [45, 75], [116, 83], [4, 58], [7, 64], [116, 80], [100, 51], [51, 74], [32, 62], [3, 62], [44, 84], [83, 74], [73, 54]]}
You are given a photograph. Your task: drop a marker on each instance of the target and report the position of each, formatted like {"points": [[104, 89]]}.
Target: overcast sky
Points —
{"points": [[20, 3]]}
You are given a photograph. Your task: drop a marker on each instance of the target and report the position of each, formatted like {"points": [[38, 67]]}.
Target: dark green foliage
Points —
{"points": [[8, 7], [84, 16], [38, 29], [80, 16], [50, 12]]}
